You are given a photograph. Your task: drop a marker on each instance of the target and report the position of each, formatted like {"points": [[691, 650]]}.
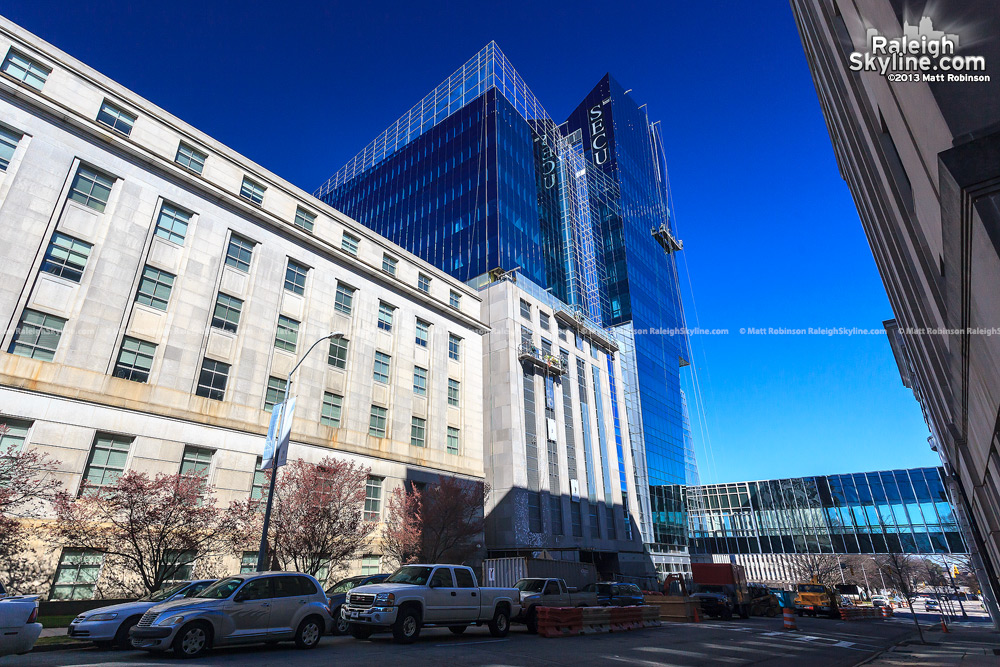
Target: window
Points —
{"points": [[577, 518], [423, 283], [77, 574], [454, 347], [333, 408], [172, 224], [26, 70], [116, 118], [196, 461], [344, 301], [377, 421], [288, 334], [106, 462], [609, 519], [37, 336], [455, 299], [525, 309], [91, 188], [380, 372], [295, 277], [562, 331], [543, 320], [555, 513], [258, 488], [423, 333], [212, 380], [418, 431], [190, 157], [464, 578], [338, 353], [252, 191], [239, 253], [419, 381], [385, 316], [453, 392], [370, 564], [8, 144], [389, 264], [595, 527], [534, 512], [248, 564], [178, 565], [373, 498], [135, 360], [275, 392], [304, 219], [13, 440], [349, 243], [452, 440], [66, 257], [227, 312]]}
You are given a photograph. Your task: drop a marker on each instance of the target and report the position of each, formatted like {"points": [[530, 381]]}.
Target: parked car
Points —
{"points": [[415, 596], [547, 592], [243, 609], [881, 601], [615, 594], [337, 595], [107, 626], [19, 629]]}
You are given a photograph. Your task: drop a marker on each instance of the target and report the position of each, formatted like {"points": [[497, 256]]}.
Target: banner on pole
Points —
{"points": [[275, 448]]}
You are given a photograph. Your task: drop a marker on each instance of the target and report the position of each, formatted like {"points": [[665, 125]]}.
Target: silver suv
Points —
{"points": [[244, 609]]}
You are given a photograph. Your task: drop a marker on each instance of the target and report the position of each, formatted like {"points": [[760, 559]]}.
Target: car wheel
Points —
{"points": [[309, 632], [532, 621], [122, 639], [727, 615], [500, 625], [771, 612], [360, 631], [457, 629], [192, 640], [406, 629], [341, 626]]}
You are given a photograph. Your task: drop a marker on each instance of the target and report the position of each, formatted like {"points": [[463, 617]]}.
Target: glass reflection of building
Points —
{"points": [[902, 511]]}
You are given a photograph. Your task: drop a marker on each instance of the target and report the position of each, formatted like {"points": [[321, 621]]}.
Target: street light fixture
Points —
{"points": [[262, 552]]}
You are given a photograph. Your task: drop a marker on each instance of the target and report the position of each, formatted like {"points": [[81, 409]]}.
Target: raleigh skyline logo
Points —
{"points": [[920, 54]]}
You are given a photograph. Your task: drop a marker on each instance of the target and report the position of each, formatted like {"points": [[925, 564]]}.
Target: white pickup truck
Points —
{"points": [[420, 595], [542, 592]]}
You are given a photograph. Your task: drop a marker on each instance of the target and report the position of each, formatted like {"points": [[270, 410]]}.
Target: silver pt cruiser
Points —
{"points": [[251, 608]]}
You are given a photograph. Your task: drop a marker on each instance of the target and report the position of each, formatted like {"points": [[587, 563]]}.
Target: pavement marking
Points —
{"points": [[689, 654], [485, 641]]}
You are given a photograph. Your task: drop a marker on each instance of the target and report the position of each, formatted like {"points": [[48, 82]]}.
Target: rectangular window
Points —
{"points": [[275, 392], [66, 257], [248, 564], [181, 562], [453, 440], [196, 461], [333, 409], [373, 498], [343, 302], [212, 379], [287, 337], [609, 519], [172, 224], [385, 316], [106, 462], [453, 392], [8, 144], [454, 347], [252, 191], [227, 312], [543, 320], [577, 518], [525, 310], [423, 333], [419, 381], [370, 565], [380, 372], [377, 421], [91, 188], [295, 277], [555, 514], [423, 283], [190, 157], [116, 118], [24, 69], [349, 243], [534, 512], [258, 488], [389, 264], [595, 527], [77, 575], [455, 299], [135, 360], [37, 336], [239, 253], [304, 219], [418, 432], [338, 353], [13, 440], [562, 331]]}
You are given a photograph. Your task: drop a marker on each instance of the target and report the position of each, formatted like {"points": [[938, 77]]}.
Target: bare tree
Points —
{"points": [[902, 571], [824, 568]]}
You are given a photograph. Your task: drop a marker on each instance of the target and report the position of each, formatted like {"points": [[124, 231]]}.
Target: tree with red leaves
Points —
{"points": [[440, 523], [148, 528], [317, 520]]}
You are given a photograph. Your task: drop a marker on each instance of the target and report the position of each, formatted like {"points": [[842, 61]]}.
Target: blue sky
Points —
{"points": [[772, 238]]}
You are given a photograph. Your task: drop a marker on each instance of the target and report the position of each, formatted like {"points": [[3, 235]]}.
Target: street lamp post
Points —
{"points": [[262, 552]]}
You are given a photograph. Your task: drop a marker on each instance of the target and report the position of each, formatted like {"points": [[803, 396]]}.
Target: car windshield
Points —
{"points": [[221, 589], [530, 585], [164, 593], [810, 588], [344, 585], [415, 575]]}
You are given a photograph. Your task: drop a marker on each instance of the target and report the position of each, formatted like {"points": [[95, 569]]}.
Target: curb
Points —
{"points": [[64, 646], [887, 649]]}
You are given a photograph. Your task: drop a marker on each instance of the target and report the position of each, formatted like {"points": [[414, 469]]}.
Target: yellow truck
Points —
{"points": [[814, 599]]}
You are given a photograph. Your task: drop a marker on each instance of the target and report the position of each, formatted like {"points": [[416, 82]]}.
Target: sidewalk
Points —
{"points": [[965, 646]]}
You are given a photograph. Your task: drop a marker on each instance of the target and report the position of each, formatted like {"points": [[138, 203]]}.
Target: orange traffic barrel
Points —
{"points": [[789, 615]]}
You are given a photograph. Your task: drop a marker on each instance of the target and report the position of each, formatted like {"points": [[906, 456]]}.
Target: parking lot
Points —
{"points": [[818, 643]]}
